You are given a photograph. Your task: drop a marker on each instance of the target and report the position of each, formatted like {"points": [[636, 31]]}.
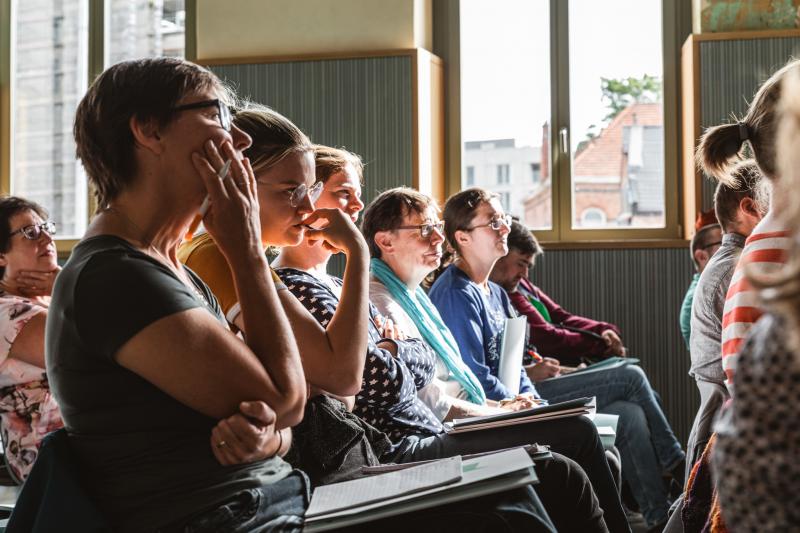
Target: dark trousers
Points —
{"points": [[574, 437], [511, 511]]}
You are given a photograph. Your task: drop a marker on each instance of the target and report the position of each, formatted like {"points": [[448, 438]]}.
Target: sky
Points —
{"points": [[505, 55]]}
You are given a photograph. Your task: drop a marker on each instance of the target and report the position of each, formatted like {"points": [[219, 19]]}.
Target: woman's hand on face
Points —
{"points": [[33, 283], [233, 215], [247, 436], [336, 230]]}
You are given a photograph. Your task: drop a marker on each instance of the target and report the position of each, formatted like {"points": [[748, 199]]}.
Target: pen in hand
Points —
{"points": [[222, 174]]}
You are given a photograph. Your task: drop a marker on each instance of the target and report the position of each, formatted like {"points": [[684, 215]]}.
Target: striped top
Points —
{"points": [[764, 252]]}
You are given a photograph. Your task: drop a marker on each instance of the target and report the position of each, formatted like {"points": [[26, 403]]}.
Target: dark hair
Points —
{"points": [[145, 89], [331, 160], [746, 181], [9, 207], [274, 136], [521, 239], [460, 210], [700, 240], [721, 146], [386, 212]]}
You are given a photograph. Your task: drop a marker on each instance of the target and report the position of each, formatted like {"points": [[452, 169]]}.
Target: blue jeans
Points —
{"points": [[645, 439], [278, 507]]}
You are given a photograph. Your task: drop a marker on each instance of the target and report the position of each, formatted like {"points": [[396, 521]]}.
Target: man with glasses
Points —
{"points": [[706, 241]]}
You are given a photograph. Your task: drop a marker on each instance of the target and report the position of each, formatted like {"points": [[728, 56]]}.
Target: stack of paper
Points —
{"points": [[420, 487], [577, 407]]}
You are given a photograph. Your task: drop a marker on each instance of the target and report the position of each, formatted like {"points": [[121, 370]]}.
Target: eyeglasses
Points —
{"points": [[427, 229], [718, 243], [496, 223], [225, 112], [34, 231], [302, 190]]}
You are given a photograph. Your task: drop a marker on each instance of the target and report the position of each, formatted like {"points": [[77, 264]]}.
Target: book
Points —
{"points": [[482, 475], [605, 364], [357, 492], [512, 347], [537, 452], [576, 407]]}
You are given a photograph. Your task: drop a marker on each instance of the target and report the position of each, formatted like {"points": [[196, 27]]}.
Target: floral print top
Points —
{"points": [[28, 411]]}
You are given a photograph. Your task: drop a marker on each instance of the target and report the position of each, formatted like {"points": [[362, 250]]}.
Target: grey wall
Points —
{"points": [[641, 291], [363, 105], [730, 74]]}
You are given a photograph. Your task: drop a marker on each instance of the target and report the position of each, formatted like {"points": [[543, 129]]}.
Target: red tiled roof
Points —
{"points": [[603, 155]]}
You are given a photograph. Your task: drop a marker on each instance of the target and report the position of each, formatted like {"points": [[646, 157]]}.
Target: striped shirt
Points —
{"points": [[764, 252]]}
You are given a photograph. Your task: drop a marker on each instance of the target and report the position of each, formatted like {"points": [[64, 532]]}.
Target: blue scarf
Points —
{"points": [[427, 319]]}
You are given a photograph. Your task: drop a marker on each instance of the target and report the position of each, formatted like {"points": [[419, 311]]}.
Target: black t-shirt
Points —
{"points": [[147, 457]]}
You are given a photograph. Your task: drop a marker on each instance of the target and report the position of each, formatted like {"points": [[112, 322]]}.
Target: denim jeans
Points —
{"points": [[278, 507], [645, 439]]}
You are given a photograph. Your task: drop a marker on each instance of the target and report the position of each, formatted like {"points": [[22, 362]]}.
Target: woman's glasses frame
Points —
{"points": [[303, 190], [496, 223], [225, 113], [32, 232]]}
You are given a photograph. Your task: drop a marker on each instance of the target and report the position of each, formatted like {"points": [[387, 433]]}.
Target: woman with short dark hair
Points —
{"points": [[28, 268], [140, 357]]}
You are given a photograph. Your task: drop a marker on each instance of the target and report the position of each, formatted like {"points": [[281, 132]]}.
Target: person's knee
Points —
{"points": [[632, 418]]}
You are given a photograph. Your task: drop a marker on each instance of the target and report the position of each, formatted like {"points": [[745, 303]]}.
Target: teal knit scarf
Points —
{"points": [[433, 330]]}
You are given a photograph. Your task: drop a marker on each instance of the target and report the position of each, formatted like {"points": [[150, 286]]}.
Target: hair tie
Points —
{"points": [[743, 132]]}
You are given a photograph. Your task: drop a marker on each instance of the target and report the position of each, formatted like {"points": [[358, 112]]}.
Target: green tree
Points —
{"points": [[622, 92]]}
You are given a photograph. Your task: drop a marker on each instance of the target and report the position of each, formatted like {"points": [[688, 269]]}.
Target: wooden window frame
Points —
{"points": [[562, 235]]}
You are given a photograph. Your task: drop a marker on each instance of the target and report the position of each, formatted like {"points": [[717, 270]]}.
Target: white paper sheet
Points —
{"points": [[511, 350], [363, 491]]}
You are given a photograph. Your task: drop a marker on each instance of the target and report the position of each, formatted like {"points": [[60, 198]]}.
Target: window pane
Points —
{"points": [[144, 28], [505, 99], [616, 114], [49, 75]]}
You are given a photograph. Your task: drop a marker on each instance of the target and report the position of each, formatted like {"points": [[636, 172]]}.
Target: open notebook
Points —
{"points": [[424, 486], [576, 407]]}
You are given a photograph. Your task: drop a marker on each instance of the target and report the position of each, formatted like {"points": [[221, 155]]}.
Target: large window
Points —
{"points": [[50, 65], [569, 94], [49, 73], [505, 101]]}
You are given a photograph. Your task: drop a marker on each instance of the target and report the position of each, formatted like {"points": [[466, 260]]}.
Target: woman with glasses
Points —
{"points": [[333, 354], [28, 268], [474, 308], [151, 382]]}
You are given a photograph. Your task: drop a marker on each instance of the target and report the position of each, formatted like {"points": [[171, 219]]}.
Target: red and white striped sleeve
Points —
{"points": [[764, 252]]}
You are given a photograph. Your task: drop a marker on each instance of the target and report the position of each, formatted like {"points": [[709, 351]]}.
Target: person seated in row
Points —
{"points": [[757, 451], [645, 437], [333, 350], [765, 252], [704, 244], [139, 355], [332, 354], [739, 207], [397, 369], [475, 309], [558, 334], [28, 267]]}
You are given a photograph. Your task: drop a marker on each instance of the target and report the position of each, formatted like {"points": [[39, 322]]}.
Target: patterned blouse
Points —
{"points": [[28, 411], [757, 455], [388, 397]]}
